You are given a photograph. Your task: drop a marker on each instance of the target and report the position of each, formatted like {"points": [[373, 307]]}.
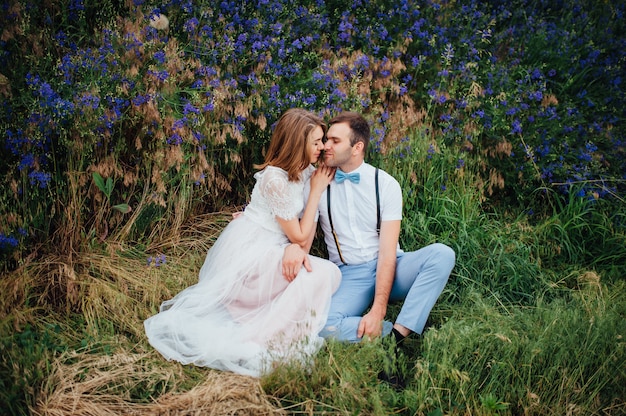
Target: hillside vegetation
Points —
{"points": [[130, 130]]}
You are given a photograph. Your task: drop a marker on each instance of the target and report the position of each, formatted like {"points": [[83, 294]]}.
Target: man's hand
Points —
{"points": [[371, 325], [294, 258]]}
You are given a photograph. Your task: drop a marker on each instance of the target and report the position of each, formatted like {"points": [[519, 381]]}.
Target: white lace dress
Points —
{"points": [[242, 315]]}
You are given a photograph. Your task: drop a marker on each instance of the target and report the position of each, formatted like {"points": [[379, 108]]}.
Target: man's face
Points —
{"points": [[337, 149]]}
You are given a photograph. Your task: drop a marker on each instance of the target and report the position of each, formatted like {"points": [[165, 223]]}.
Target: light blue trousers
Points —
{"points": [[420, 278]]}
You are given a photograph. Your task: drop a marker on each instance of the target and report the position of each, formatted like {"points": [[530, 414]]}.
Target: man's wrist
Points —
{"points": [[379, 310]]}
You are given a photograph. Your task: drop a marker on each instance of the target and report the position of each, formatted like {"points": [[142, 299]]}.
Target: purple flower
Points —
{"points": [[160, 75], [156, 261], [159, 56], [191, 25], [27, 161], [536, 74], [175, 139], [516, 127], [90, 101], [7, 241], [41, 179], [512, 111], [431, 151], [189, 109]]}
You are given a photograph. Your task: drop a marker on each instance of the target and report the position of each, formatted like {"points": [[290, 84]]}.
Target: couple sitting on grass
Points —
{"points": [[261, 299]]}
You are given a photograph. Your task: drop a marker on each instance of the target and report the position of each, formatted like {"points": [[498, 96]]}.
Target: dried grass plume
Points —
{"points": [[159, 22]]}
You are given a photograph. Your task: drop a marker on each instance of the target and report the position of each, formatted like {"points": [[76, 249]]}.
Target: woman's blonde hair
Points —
{"points": [[288, 146]]}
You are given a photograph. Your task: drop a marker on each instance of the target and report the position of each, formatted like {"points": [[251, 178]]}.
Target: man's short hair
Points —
{"points": [[359, 126]]}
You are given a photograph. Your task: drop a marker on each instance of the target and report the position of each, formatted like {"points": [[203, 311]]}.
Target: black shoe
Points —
{"points": [[391, 373], [394, 378]]}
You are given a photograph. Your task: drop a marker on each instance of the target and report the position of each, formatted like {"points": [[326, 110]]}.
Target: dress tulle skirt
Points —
{"points": [[242, 315]]}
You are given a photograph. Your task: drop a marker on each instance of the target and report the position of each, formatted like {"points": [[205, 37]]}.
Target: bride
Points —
{"points": [[243, 315]]}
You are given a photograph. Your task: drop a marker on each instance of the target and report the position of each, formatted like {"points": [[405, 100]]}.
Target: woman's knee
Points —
{"points": [[326, 273]]}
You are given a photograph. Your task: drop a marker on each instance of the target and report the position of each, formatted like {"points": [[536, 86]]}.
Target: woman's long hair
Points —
{"points": [[289, 143]]}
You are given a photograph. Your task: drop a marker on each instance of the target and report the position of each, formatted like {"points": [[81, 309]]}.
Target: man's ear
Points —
{"points": [[358, 147]]}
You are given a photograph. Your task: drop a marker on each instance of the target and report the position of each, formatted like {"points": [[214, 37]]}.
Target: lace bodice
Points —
{"points": [[274, 196]]}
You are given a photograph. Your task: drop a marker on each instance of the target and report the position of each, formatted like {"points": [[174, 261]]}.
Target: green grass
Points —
{"points": [[557, 349], [533, 318]]}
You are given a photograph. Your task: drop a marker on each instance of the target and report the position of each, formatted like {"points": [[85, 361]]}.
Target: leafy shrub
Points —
{"points": [[176, 112]]}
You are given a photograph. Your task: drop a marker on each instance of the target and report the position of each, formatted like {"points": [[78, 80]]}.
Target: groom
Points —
{"points": [[360, 216]]}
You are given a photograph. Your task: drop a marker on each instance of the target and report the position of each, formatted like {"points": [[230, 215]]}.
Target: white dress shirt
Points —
{"points": [[353, 209]]}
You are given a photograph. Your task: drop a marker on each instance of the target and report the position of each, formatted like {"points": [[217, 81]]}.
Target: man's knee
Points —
{"points": [[331, 328], [445, 257]]}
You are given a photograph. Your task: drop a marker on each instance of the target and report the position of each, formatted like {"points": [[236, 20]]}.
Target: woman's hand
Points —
{"points": [[321, 178]]}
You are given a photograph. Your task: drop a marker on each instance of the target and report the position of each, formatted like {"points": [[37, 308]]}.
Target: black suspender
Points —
{"points": [[377, 204], [330, 218]]}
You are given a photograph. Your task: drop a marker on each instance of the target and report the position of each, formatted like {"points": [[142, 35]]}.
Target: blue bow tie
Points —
{"points": [[341, 176]]}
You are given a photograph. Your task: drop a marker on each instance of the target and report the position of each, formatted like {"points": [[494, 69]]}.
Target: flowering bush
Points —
{"points": [[174, 100]]}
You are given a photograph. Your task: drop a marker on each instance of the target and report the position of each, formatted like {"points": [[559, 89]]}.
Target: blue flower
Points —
{"points": [[41, 179], [159, 56], [27, 161], [90, 101], [160, 75], [156, 261], [175, 139], [479, 114], [190, 109], [536, 74], [430, 152], [7, 241], [191, 25]]}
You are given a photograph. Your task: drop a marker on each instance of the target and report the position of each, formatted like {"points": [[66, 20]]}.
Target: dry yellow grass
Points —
{"points": [[85, 384], [113, 289]]}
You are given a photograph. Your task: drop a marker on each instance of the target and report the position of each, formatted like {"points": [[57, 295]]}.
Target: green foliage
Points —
{"points": [[107, 189], [176, 112], [484, 360], [503, 124], [24, 364], [516, 354]]}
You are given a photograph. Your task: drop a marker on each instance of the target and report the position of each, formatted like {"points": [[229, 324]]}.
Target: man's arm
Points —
{"points": [[371, 323]]}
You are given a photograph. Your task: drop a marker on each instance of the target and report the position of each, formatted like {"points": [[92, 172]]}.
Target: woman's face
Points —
{"points": [[315, 144]]}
